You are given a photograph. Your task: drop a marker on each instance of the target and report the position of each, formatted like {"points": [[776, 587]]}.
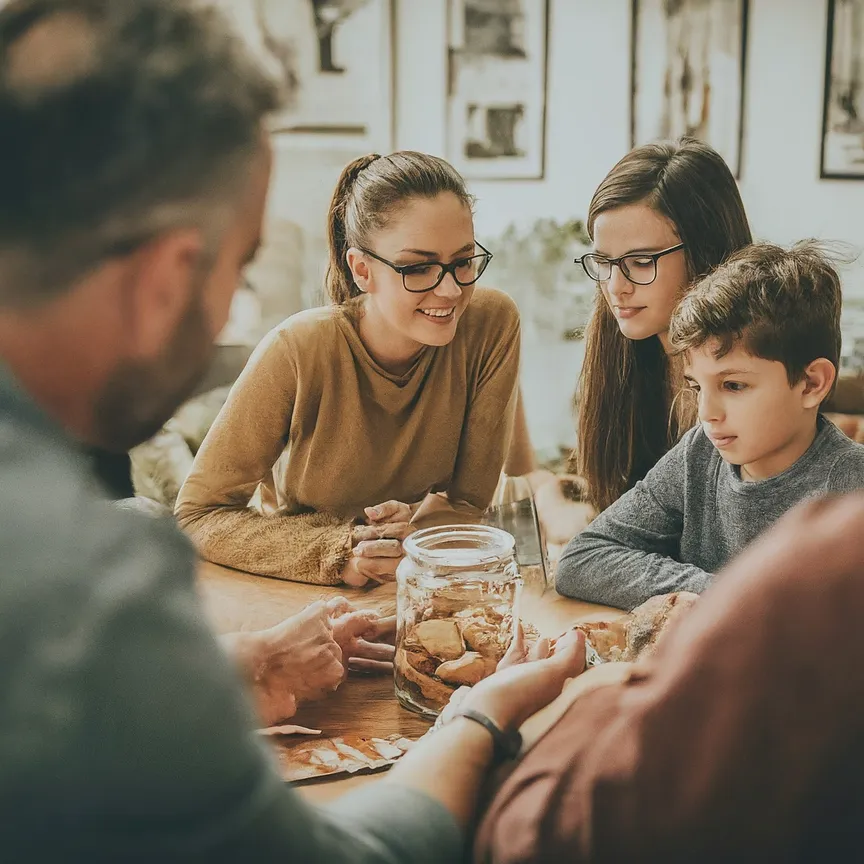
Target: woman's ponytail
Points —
{"points": [[338, 279]]}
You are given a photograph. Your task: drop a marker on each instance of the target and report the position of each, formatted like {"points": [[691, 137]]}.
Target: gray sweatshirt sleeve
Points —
{"points": [[627, 554]]}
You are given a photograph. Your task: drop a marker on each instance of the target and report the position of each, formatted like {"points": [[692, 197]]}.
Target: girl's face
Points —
{"points": [[641, 310], [424, 232]]}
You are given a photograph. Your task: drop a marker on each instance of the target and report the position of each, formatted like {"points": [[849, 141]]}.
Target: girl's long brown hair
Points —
{"points": [[627, 414]]}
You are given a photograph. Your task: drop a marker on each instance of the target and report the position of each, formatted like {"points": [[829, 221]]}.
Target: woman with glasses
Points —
{"points": [[664, 216], [392, 408]]}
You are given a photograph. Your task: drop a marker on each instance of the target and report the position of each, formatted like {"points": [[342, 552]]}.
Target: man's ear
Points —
{"points": [[162, 278], [359, 264], [818, 379]]}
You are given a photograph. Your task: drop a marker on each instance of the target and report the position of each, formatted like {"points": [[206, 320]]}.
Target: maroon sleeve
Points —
{"points": [[742, 738]]}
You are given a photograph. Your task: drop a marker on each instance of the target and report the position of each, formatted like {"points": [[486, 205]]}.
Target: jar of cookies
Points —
{"points": [[458, 589]]}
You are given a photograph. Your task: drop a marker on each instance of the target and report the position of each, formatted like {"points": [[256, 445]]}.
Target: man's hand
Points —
{"points": [[308, 655], [364, 638]]}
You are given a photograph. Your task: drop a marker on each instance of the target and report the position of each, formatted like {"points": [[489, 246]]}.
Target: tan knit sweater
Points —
{"points": [[314, 430]]}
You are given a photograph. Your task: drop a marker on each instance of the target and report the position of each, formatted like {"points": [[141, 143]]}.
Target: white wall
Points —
{"points": [[588, 99], [588, 104], [588, 117], [785, 198]]}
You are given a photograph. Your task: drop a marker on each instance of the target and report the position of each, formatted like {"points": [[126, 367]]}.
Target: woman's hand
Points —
{"points": [[520, 652], [374, 557], [391, 513], [377, 546]]}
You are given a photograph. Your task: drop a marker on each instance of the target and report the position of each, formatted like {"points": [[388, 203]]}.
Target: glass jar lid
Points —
{"points": [[459, 548]]}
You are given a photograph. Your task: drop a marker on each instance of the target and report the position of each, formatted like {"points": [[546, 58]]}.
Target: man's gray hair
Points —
{"points": [[119, 120]]}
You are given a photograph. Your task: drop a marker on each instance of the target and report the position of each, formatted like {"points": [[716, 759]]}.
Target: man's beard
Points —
{"points": [[139, 398]]}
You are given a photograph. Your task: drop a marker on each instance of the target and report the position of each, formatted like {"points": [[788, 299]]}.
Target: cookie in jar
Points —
{"points": [[457, 607]]}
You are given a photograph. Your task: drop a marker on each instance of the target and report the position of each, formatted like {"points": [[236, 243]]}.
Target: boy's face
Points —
{"points": [[749, 411]]}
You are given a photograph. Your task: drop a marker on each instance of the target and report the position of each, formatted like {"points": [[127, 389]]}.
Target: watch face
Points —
{"points": [[514, 743]]}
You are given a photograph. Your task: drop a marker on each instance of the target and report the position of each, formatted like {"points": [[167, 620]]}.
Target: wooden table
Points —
{"points": [[362, 705]]}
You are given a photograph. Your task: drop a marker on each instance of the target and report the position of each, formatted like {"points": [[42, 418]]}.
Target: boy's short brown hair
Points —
{"points": [[777, 304]]}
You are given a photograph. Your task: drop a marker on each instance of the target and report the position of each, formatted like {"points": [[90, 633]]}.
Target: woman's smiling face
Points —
{"points": [[424, 231]]}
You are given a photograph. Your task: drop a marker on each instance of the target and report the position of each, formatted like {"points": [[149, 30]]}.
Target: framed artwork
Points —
{"points": [[688, 63], [496, 92], [338, 58], [842, 155]]}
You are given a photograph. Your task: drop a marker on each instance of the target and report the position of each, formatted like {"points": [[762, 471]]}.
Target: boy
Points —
{"points": [[760, 339]]}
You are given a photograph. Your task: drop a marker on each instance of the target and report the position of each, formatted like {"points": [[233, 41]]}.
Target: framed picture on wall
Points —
{"points": [[496, 92], [338, 58], [843, 107], [688, 60]]}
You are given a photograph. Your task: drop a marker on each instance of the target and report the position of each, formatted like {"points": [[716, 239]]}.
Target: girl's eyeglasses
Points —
{"points": [[639, 268]]}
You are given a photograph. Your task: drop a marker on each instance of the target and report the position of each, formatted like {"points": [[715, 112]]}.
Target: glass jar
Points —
{"points": [[458, 588], [513, 510]]}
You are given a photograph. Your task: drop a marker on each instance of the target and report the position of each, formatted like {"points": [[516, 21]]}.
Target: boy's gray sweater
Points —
{"points": [[691, 514]]}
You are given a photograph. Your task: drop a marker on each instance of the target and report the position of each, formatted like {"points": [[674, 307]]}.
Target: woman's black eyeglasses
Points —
{"points": [[420, 278], [639, 268]]}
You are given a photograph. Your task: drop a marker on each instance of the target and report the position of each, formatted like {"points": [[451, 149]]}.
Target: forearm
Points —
{"points": [[309, 547], [597, 569], [449, 766]]}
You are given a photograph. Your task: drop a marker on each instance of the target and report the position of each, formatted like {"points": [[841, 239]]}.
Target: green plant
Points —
{"points": [[536, 267]]}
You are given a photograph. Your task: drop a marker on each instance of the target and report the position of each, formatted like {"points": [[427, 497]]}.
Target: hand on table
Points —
{"points": [[308, 655], [364, 638], [377, 546]]}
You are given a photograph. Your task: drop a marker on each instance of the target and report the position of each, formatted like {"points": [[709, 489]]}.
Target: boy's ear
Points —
{"points": [[818, 379]]}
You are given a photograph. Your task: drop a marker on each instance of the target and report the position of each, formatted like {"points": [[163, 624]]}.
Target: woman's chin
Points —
{"points": [[637, 331], [435, 335]]}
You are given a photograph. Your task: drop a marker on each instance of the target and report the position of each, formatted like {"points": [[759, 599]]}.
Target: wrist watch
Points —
{"points": [[506, 744]]}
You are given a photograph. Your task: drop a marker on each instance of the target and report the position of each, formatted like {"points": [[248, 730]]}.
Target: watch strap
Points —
{"points": [[507, 745]]}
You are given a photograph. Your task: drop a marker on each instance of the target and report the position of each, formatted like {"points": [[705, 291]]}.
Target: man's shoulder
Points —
{"points": [[79, 572], [58, 533]]}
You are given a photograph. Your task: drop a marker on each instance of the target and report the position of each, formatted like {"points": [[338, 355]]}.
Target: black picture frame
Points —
{"points": [[827, 145]]}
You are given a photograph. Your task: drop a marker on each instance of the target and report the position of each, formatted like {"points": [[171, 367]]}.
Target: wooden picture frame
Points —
{"points": [[498, 57]]}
